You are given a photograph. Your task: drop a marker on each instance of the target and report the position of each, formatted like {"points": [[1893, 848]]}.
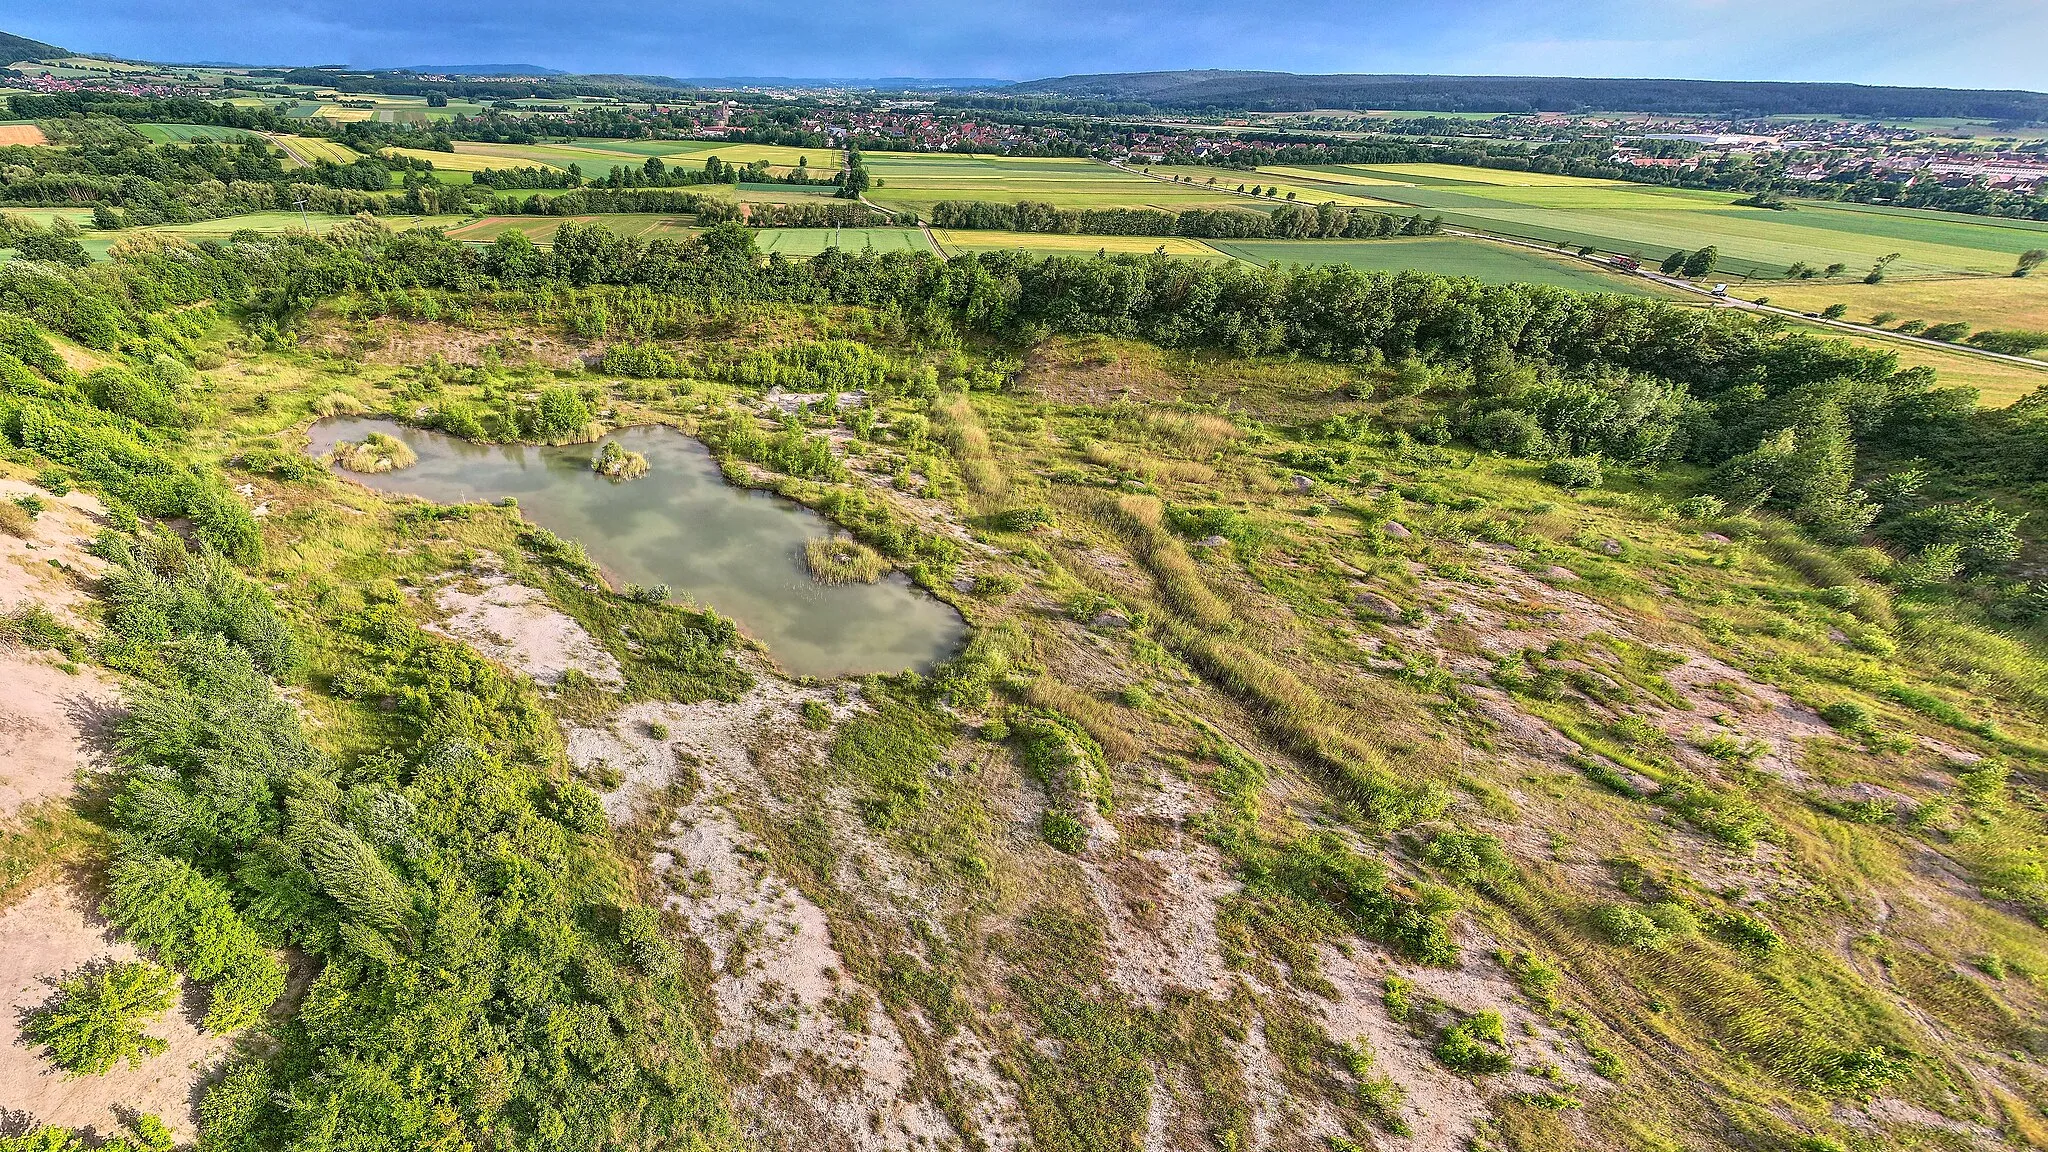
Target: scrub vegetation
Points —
{"points": [[1397, 711]]}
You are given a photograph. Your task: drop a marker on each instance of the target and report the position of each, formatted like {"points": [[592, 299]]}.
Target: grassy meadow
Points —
{"points": [[811, 241], [958, 240], [917, 181], [187, 133], [1983, 302], [1443, 255]]}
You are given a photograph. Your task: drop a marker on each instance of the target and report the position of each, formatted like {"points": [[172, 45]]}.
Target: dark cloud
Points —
{"points": [[1965, 43]]}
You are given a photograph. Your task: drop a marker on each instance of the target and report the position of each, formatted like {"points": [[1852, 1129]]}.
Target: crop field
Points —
{"points": [[596, 157], [310, 149], [1444, 255], [812, 241], [21, 132], [293, 222], [1050, 244], [1227, 184], [541, 229], [1650, 222], [1993, 302], [186, 133], [918, 180]]}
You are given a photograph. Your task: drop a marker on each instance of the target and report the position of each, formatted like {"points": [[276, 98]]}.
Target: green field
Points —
{"points": [[1055, 244], [1650, 222], [916, 181], [313, 149], [541, 229], [596, 157], [1444, 255], [811, 241], [186, 133]]}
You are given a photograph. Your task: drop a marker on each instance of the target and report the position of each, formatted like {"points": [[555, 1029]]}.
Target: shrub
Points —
{"points": [[1475, 1045], [1028, 519], [1573, 472], [615, 463], [97, 1017], [1702, 507], [1747, 933], [815, 715], [1063, 830], [647, 593], [1627, 927], [1846, 714]]}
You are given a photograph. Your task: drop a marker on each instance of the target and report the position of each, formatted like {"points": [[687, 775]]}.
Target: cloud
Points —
{"points": [[1961, 43]]}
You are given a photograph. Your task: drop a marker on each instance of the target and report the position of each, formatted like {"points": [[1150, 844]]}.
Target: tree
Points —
{"points": [[96, 1019], [105, 218], [1834, 270], [1834, 312], [2029, 260], [1877, 270], [1701, 263], [1674, 263]]}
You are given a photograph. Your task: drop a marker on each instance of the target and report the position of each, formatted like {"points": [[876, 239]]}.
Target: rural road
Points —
{"points": [[1677, 284]]}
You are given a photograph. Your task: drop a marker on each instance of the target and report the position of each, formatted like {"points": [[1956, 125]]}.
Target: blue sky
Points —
{"points": [[1956, 43]]}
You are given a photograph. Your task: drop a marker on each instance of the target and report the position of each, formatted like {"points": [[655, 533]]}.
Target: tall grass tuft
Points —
{"points": [[1140, 522], [842, 560], [964, 436], [377, 453]]}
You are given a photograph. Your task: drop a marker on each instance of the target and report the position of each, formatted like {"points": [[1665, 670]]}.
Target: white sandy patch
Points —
{"points": [[1442, 1107], [48, 726], [47, 934], [825, 1072], [515, 626], [36, 568]]}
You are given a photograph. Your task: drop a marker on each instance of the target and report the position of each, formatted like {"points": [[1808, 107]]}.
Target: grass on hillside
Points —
{"points": [[1444, 255], [1982, 302], [1050, 244]]}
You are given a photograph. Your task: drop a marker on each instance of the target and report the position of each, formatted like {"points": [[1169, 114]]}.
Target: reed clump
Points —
{"points": [[842, 560]]}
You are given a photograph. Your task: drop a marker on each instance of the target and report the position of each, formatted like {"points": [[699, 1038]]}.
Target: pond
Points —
{"points": [[735, 550]]}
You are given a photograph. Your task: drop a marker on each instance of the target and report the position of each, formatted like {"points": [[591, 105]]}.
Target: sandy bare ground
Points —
{"points": [[514, 625], [825, 1066], [53, 931], [50, 726], [49, 565]]}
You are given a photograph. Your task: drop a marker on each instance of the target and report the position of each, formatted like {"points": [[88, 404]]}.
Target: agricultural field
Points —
{"points": [[541, 229], [1207, 179], [812, 241], [21, 132], [917, 181], [1650, 222], [312, 149], [954, 241], [596, 157], [1994, 302], [293, 222], [187, 133], [1443, 255]]}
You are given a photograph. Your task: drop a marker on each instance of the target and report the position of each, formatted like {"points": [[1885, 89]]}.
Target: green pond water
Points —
{"points": [[734, 550]]}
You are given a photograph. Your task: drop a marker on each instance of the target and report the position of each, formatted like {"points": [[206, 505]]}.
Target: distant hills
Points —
{"points": [[1286, 91], [15, 48], [474, 70]]}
